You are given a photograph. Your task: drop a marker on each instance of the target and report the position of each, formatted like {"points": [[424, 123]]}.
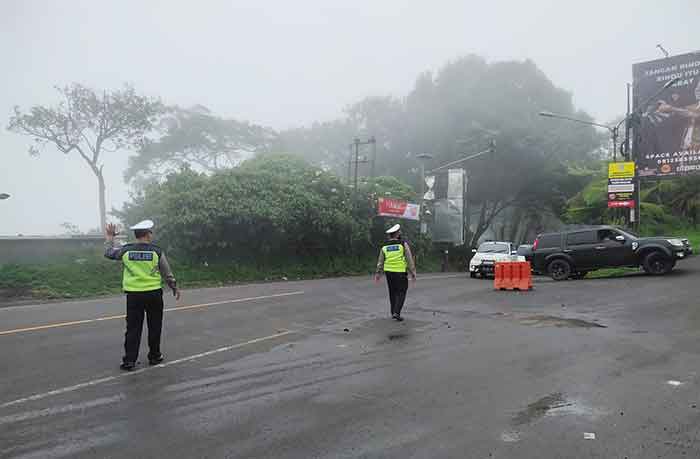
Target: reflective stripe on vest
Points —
{"points": [[394, 258], [141, 273]]}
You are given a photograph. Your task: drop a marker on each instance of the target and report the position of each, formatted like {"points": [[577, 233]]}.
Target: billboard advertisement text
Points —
{"points": [[668, 137]]}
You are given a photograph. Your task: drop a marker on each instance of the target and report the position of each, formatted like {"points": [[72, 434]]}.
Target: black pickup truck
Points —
{"points": [[572, 254]]}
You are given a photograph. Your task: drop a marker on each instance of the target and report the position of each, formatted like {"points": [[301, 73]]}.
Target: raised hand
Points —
{"points": [[111, 230]]}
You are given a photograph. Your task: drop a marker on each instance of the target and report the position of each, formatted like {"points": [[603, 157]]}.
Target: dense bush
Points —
{"points": [[269, 207]]}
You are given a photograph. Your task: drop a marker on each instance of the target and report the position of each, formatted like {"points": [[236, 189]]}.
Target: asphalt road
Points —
{"points": [[316, 369]]}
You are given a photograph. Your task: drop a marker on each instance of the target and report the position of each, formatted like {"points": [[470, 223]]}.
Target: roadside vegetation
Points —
{"points": [[94, 276], [230, 207]]}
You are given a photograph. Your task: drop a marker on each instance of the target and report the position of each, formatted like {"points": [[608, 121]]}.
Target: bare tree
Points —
{"points": [[90, 124]]}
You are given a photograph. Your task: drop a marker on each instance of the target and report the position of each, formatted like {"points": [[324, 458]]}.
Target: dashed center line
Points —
{"points": [[122, 316]]}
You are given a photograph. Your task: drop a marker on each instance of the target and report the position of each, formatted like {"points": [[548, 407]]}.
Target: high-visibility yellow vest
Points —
{"points": [[141, 271], [394, 257]]}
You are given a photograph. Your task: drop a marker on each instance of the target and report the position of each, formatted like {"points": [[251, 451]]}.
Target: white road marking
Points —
{"points": [[674, 383], [95, 382], [510, 437], [121, 316], [19, 417]]}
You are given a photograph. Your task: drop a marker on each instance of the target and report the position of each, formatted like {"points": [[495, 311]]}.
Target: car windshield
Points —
{"points": [[491, 247]]}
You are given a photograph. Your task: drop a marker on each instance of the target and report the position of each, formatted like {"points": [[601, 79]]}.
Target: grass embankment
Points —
{"points": [[693, 236], [94, 276]]}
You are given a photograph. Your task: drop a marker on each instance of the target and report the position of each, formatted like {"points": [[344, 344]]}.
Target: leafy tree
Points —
{"points": [[666, 205], [681, 196], [476, 102], [89, 124], [197, 138]]}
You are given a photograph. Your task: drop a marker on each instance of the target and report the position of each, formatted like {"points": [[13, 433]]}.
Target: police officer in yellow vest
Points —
{"points": [[145, 266], [396, 261]]}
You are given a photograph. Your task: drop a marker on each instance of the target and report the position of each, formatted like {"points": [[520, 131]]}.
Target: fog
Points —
{"points": [[286, 64]]}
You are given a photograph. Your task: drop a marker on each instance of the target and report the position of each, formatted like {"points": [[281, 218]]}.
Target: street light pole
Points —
{"points": [[614, 130], [423, 157], [491, 149], [466, 210]]}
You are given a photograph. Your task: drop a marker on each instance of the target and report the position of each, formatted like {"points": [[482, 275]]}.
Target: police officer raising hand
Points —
{"points": [[145, 267]]}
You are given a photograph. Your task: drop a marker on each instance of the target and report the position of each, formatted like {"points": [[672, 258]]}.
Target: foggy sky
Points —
{"points": [[284, 64]]}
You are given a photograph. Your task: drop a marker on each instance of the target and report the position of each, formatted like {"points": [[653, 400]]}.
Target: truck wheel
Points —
{"points": [[657, 264], [559, 270]]}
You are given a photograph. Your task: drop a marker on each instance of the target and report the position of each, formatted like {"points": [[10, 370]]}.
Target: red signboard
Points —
{"points": [[398, 209], [629, 203]]}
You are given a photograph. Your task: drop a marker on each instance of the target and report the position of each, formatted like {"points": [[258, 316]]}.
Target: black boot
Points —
{"points": [[128, 366]]}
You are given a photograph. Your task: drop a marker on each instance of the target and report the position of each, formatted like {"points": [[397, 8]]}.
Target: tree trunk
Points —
{"points": [[480, 229], [517, 219], [103, 204]]}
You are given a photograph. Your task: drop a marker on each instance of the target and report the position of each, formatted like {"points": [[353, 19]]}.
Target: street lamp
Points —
{"points": [[614, 130], [4, 196]]}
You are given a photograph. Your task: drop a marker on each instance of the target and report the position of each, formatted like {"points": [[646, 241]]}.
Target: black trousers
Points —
{"points": [[138, 304], [398, 285]]}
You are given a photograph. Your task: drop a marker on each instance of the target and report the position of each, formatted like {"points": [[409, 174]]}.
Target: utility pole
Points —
{"points": [[373, 141], [357, 160], [349, 176]]}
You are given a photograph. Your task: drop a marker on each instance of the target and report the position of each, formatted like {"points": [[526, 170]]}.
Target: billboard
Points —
{"points": [[448, 222], [621, 185], [668, 137], [398, 209]]}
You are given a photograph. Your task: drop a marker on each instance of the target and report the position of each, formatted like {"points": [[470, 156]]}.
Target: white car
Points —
{"points": [[484, 260]]}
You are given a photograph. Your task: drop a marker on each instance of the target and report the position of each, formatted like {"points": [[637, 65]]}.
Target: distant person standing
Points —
{"points": [[396, 261], [145, 266]]}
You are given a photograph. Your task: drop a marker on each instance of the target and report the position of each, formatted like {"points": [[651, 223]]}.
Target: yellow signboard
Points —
{"points": [[621, 170]]}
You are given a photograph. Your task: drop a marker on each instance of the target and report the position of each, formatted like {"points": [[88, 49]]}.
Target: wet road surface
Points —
{"points": [[315, 369]]}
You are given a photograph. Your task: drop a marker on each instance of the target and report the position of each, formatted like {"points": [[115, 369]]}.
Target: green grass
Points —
{"points": [[611, 273], [65, 280], [694, 238], [95, 276]]}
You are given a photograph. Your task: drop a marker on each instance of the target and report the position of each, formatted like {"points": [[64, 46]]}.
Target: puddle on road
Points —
{"points": [[540, 408], [553, 321], [554, 405]]}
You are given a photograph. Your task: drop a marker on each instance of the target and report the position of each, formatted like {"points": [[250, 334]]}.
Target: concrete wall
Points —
{"points": [[24, 250]]}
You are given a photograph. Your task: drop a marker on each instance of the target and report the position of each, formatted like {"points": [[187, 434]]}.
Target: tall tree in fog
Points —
{"points": [[90, 124], [196, 138], [458, 111]]}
